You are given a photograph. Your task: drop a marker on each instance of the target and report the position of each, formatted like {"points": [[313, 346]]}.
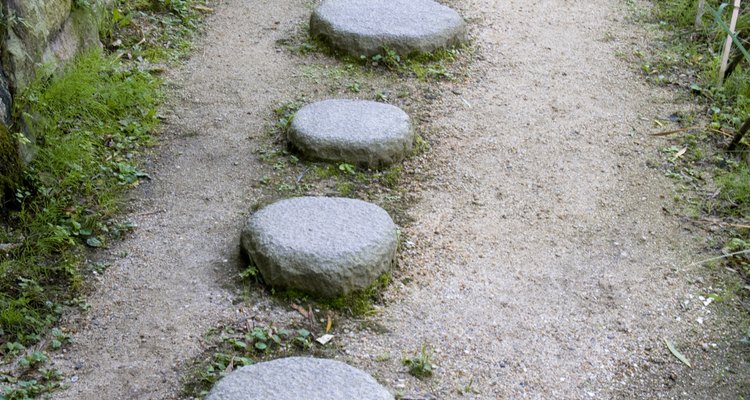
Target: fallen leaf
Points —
{"points": [[677, 353], [300, 310], [324, 339], [680, 153], [329, 324], [199, 7]]}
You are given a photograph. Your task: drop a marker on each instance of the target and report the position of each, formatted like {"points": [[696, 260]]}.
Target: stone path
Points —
{"points": [[321, 245], [166, 285], [540, 264], [366, 27], [297, 378], [359, 132]]}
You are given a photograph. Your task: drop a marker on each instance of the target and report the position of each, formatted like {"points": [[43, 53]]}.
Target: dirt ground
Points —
{"points": [[539, 260]]}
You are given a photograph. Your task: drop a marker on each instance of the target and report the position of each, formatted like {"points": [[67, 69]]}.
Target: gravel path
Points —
{"points": [[541, 262]]}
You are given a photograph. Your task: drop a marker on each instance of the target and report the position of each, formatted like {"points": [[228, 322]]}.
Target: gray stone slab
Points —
{"points": [[366, 27], [298, 378], [354, 131], [321, 245]]}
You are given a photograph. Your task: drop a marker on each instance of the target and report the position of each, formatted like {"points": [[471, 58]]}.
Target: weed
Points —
{"points": [[348, 168], [735, 191], [236, 346], [468, 389], [419, 366], [354, 87], [285, 113]]}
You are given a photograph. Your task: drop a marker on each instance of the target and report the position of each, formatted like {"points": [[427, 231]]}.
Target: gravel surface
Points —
{"points": [[539, 264]]}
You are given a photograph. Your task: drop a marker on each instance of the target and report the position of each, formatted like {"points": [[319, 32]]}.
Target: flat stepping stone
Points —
{"points": [[367, 27], [321, 245], [359, 132], [297, 378]]}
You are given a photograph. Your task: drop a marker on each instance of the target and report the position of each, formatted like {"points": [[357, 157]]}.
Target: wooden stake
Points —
{"points": [[699, 14], [728, 44]]}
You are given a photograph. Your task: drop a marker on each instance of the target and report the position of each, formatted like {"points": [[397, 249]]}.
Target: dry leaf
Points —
{"points": [[324, 339], [329, 324], [680, 153], [677, 353], [300, 310]]}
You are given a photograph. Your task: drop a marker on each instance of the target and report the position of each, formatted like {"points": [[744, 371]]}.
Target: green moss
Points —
{"points": [[360, 302], [357, 303]]}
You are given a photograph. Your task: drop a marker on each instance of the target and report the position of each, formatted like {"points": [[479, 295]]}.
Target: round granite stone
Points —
{"points": [[359, 132], [297, 378], [321, 245], [367, 27]]}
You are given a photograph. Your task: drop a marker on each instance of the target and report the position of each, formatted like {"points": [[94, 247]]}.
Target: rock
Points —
{"points": [[354, 131], [321, 245], [366, 27], [52, 33], [296, 378]]}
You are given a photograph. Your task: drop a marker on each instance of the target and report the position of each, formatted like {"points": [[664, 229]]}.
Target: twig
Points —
{"points": [[738, 137], [736, 253], [667, 133]]}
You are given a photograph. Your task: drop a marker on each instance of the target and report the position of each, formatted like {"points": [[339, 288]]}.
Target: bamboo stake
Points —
{"points": [[728, 44], [699, 14]]}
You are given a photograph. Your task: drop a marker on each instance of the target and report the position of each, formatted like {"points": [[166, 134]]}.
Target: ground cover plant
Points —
{"points": [[709, 155], [88, 126], [241, 344]]}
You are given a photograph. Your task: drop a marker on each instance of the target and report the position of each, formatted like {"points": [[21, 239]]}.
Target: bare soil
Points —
{"points": [[539, 261]]}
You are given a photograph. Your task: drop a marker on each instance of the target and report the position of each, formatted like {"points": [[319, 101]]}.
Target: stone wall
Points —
{"points": [[47, 33], [36, 36]]}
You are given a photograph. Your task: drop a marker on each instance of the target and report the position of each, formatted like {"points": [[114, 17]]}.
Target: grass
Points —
{"points": [[420, 366], [91, 124], [713, 184]]}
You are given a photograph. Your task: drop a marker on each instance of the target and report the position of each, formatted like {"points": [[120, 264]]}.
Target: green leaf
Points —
{"points": [[261, 346], [725, 28], [677, 353], [94, 242]]}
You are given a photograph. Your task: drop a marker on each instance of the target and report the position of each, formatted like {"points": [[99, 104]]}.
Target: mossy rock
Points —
{"points": [[10, 164]]}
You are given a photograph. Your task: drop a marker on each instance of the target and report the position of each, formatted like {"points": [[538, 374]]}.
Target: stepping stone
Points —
{"points": [[359, 132], [366, 27], [297, 378], [321, 245]]}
